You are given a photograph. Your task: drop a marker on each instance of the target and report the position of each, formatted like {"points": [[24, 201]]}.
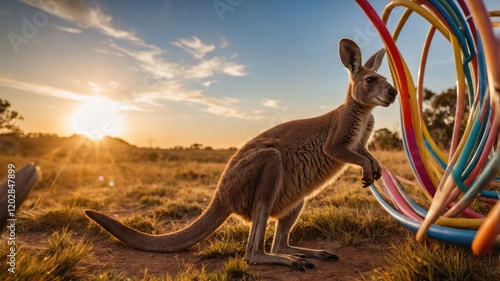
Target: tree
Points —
{"points": [[439, 115], [8, 118], [196, 146], [384, 139]]}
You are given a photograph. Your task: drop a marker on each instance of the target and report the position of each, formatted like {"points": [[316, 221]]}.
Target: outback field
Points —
{"points": [[159, 191]]}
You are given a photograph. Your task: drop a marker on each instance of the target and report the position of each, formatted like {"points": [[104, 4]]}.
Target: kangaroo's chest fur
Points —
{"points": [[357, 126]]}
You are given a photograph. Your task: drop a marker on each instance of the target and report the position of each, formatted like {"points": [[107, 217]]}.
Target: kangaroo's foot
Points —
{"points": [[306, 253], [294, 262]]}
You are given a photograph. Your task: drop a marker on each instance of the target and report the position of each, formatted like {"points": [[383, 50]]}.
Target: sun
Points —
{"points": [[97, 118]]}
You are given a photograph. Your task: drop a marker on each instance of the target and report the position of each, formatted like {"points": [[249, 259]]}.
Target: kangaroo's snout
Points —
{"points": [[392, 93], [385, 97]]}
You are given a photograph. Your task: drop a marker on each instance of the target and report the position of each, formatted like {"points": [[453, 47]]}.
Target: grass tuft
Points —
{"points": [[152, 191], [141, 223], [192, 274], [113, 275], [238, 269], [84, 202], [228, 241], [173, 210], [434, 260], [151, 200], [351, 226], [110, 275], [53, 218], [220, 249], [59, 259], [66, 254], [234, 269]]}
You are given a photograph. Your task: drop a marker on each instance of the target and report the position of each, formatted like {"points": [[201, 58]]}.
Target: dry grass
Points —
{"points": [[59, 258], [433, 260], [233, 269], [166, 194]]}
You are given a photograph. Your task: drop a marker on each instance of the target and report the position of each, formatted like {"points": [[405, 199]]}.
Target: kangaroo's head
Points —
{"points": [[367, 87]]}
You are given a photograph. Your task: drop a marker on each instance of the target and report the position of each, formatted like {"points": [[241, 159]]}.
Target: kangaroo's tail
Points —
{"points": [[213, 217]]}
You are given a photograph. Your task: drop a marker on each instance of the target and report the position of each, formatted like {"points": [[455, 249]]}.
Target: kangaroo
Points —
{"points": [[274, 173]]}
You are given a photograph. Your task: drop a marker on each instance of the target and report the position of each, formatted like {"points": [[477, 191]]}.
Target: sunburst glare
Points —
{"points": [[97, 118]]}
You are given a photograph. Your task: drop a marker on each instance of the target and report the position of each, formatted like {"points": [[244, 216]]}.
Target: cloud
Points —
{"points": [[172, 90], [280, 113], [195, 47], [153, 64], [65, 94], [42, 90], [208, 83], [150, 62], [78, 12], [234, 69], [168, 80], [108, 52], [68, 29], [207, 68], [272, 103]]}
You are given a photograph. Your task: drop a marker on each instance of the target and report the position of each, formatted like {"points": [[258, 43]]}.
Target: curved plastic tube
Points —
{"points": [[446, 234], [488, 232]]}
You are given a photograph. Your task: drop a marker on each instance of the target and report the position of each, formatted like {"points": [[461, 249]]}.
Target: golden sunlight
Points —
{"points": [[97, 118]]}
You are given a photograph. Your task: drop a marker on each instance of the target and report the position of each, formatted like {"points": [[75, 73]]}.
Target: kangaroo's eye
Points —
{"points": [[370, 79]]}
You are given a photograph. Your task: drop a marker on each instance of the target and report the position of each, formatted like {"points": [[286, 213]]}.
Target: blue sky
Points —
{"points": [[180, 72]]}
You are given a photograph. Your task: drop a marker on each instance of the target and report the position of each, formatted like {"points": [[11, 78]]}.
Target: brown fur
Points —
{"points": [[273, 174]]}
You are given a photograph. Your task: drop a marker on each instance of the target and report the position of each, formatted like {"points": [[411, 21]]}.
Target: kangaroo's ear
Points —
{"points": [[350, 55], [375, 61]]}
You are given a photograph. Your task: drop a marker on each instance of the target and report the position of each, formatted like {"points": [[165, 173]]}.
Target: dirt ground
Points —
{"points": [[115, 256]]}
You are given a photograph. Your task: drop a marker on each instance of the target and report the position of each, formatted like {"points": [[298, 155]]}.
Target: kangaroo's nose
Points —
{"points": [[393, 93]]}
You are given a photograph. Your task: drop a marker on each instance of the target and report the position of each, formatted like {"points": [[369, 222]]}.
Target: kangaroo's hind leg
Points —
{"points": [[281, 237], [268, 171]]}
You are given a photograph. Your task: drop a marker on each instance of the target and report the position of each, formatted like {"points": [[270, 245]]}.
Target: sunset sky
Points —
{"points": [[180, 72]]}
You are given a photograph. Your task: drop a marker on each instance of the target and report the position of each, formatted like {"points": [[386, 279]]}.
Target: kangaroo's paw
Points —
{"points": [[377, 170], [367, 179]]}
